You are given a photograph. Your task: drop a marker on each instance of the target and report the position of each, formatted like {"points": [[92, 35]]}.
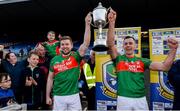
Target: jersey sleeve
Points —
{"points": [[146, 62], [77, 56]]}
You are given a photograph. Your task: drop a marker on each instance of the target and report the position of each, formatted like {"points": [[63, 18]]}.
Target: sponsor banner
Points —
{"points": [[161, 97], [106, 84]]}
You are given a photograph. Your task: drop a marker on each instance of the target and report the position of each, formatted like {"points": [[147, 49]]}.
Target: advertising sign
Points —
{"points": [[161, 90]]}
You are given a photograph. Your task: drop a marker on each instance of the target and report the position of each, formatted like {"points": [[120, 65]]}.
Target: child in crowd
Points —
{"points": [[6, 94], [34, 83], [52, 45]]}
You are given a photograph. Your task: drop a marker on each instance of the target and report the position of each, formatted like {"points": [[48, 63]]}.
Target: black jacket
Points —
{"points": [[33, 94], [174, 79]]}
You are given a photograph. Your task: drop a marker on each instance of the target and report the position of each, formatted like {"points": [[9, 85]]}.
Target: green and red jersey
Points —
{"points": [[52, 47], [130, 73], [66, 73]]}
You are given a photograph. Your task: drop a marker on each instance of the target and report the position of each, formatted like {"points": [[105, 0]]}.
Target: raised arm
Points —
{"points": [[110, 35], [165, 66], [87, 35]]}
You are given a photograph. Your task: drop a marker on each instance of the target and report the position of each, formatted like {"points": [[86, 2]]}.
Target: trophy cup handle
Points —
{"points": [[91, 22]]}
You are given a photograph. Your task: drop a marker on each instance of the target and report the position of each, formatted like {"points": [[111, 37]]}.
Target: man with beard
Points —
{"points": [[64, 73]]}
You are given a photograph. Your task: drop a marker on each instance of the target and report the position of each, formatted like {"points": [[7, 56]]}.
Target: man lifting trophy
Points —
{"points": [[99, 19]]}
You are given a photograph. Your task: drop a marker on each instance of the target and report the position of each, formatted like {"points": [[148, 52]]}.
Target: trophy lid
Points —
{"points": [[100, 6]]}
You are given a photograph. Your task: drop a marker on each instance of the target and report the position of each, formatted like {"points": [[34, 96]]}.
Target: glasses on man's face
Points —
{"points": [[6, 81]]}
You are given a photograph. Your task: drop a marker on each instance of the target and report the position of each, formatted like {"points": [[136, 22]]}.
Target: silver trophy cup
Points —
{"points": [[99, 19]]}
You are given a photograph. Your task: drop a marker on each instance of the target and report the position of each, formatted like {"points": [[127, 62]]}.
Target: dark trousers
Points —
{"points": [[18, 97], [176, 105], [91, 98]]}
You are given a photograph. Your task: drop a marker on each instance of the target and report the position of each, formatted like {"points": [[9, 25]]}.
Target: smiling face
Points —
{"points": [[33, 60], [12, 58], [129, 46], [66, 46], [5, 82]]}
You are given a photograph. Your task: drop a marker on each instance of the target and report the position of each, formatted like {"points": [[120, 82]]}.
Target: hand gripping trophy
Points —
{"points": [[99, 19]]}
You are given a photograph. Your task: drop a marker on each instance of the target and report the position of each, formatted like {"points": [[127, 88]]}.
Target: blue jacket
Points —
{"points": [[5, 96], [33, 94]]}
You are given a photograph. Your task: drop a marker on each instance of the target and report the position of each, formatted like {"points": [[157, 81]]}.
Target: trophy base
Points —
{"points": [[100, 48]]}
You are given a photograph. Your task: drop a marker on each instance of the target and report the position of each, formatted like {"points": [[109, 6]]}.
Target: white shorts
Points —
{"points": [[126, 103], [67, 103]]}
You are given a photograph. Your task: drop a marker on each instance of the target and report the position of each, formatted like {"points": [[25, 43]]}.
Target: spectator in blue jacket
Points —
{"points": [[6, 94]]}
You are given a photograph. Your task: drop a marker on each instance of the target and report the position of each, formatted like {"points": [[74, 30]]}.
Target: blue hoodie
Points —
{"points": [[5, 96]]}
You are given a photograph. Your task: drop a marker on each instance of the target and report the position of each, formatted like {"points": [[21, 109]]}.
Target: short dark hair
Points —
{"points": [[3, 75], [7, 56], [128, 37], [66, 38], [51, 32]]}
